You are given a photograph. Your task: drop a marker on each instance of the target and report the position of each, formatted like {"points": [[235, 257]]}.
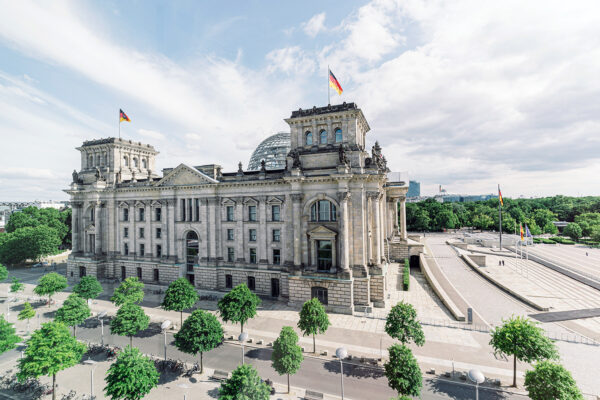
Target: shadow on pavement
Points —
{"points": [[461, 391], [259, 354], [152, 330], [354, 370], [214, 393]]}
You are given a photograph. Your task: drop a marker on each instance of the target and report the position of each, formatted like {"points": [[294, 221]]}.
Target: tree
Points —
{"points": [[73, 311], [3, 273], [50, 284], [180, 295], [402, 324], [543, 216], [200, 332], [88, 287], [29, 244], [34, 217], [402, 371], [239, 305], [130, 290], [16, 286], [131, 376], [26, 313], [550, 380], [287, 355], [482, 221], [244, 384], [524, 340], [50, 350], [313, 319], [573, 230], [550, 228], [8, 336], [595, 234], [130, 319]]}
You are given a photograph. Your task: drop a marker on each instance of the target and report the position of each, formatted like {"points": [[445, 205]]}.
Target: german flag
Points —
{"points": [[333, 82], [522, 232], [500, 196], [123, 116]]}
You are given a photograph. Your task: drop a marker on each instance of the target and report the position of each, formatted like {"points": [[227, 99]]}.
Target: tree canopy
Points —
{"points": [[88, 287], [32, 217], [131, 290], [402, 324], [131, 377], [29, 243], [73, 311], [239, 305], [403, 372], [287, 355], [313, 319], [16, 286], [524, 340], [50, 284], [27, 312], [8, 335], [129, 320], [180, 295], [244, 384], [200, 332], [550, 380], [3, 273]]}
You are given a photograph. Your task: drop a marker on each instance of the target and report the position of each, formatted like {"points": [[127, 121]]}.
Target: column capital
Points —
{"points": [[374, 195], [296, 197], [77, 204], [344, 196]]}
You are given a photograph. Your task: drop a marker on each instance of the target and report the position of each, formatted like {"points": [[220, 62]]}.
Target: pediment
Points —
{"points": [[274, 200], [228, 202], [156, 204], [185, 175], [322, 231], [250, 200], [123, 204]]}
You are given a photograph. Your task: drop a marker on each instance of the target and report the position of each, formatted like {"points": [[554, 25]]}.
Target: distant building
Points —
{"points": [[414, 189], [463, 198]]}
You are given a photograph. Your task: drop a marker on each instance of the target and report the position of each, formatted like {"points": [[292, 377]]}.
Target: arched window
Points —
{"points": [[191, 250], [91, 162], [323, 137], [104, 161], [135, 162], [126, 161], [144, 163], [309, 138], [323, 211], [338, 135]]}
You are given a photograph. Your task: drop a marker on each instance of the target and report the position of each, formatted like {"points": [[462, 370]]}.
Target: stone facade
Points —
{"points": [[320, 227]]}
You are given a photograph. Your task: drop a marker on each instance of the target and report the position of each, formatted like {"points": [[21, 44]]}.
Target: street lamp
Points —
{"points": [[22, 346], [164, 326], [477, 377], [8, 307], [101, 315], [242, 338], [185, 388], [93, 364], [341, 353]]}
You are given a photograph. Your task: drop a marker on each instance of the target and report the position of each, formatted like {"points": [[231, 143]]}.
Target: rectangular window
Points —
{"points": [[156, 275], [189, 217], [126, 214], [139, 273], [92, 214], [142, 249], [81, 271], [197, 209], [276, 256], [123, 272], [142, 214], [229, 234], [251, 213], [320, 293], [125, 232], [228, 281], [142, 231], [229, 213], [230, 254], [251, 283], [324, 255], [252, 235], [158, 214], [276, 235], [158, 233], [126, 249], [158, 250], [183, 209], [324, 210], [252, 256], [275, 213]]}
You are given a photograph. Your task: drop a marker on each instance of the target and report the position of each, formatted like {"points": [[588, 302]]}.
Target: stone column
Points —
{"points": [[403, 234], [212, 229], [369, 212], [344, 239], [376, 228], [164, 229], [219, 230], [170, 233], [262, 231], [297, 215], [75, 229], [112, 231], [239, 231], [148, 237], [98, 224]]}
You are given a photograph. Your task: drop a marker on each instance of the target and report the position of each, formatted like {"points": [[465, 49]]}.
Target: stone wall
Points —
{"points": [[340, 293], [398, 251], [377, 286], [361, 291]]}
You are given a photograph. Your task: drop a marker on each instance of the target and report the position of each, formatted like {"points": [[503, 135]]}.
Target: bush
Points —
{"points": [[537, 240], [547, 241], [406, 277]]}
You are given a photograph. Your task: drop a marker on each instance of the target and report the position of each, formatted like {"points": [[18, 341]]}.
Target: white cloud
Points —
{"points": [[151, 134], [291, 60], [313, 26]]}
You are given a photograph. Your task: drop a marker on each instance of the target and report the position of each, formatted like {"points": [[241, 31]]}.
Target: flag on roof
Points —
{"points": [[123, 116], [333, 82]]}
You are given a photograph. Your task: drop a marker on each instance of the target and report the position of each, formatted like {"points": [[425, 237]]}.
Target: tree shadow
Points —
{"points": [[259, 354], [49, 314], [456, 390], [152, 330], [214, 393], [355, 370], [167, 376]]}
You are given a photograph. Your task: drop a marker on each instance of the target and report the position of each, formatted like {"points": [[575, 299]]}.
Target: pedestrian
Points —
{"points": [[503, 263], [586, 253]]}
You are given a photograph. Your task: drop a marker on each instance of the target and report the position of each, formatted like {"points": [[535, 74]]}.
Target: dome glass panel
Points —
{"points": [[273, 150]]}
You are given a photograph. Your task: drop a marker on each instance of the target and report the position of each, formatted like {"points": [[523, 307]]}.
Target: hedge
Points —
{"points": [[406, 276]]}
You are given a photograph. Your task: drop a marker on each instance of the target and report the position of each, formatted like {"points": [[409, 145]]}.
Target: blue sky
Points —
{"points": [[459, 93]]}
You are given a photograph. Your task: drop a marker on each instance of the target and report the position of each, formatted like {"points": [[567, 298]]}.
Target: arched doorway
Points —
{"points": [[191, 254]]}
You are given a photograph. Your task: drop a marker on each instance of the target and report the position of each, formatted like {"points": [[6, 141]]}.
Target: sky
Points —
{"points": [[460, 93]]}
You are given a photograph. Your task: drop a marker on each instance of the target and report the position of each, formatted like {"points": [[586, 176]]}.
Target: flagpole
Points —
{"points": [[328, 95], [500, 217]]}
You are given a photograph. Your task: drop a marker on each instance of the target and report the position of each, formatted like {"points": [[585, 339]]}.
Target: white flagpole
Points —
{"points": [[328, 95]]}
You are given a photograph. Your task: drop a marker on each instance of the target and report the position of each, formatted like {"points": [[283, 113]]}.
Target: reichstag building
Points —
{"points": [[315, 214]]}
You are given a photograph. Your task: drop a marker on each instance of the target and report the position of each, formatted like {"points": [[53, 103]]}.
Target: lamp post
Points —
{"points": [[164, 326], [185, 388], [22, 346], [341, 353], [93, 364], [477, 377], [101, 315], [242, 338], [8, 307]]}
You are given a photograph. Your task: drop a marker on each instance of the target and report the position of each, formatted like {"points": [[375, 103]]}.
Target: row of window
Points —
{"points": [[135, 161], [142, 233], [323, 137], [252, 213], [141, 214], [276, 255], [275, 235], [142, 250], [251, 283]]}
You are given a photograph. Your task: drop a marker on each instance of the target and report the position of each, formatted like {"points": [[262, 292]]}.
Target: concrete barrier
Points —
{"points": [[439, 290]]}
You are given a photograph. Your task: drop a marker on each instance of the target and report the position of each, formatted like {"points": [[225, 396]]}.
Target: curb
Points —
{"points": [[439, 290]]}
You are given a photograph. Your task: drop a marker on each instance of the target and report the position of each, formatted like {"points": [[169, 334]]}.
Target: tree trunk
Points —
{"points": [[514, 370], [180, 319], [53, 386], [130, 341], [201, 364], [74, 330], [288, 383], [28, 326], [314, 344], [242, 327]]}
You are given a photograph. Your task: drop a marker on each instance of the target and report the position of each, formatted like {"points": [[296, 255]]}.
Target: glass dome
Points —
{"points": [[273, 150]]}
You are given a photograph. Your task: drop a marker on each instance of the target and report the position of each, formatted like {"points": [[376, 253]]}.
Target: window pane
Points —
{"points": [[324, 210], [323, 137], [309, 139], [338, 135], [275, 213]]}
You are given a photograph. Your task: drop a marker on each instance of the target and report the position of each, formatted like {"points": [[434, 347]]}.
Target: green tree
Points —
{"points": [[550, 228], [131, 290], [573, 230], [524, 340], [403, 372], [595, 234], [446, 219], [73, 311], [239, 305], [313, 319], [26, 313], [131, 376], [482, 221], [3, 273], [180, 295], [88, 287], [34, 217], [287, 355], [543, 216], [29, 244], [50, 284], [244, 384], [8, 336], [16, 286], [50, 350], [402, 324], [130, 319], [550, 380], [200, 332]]}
